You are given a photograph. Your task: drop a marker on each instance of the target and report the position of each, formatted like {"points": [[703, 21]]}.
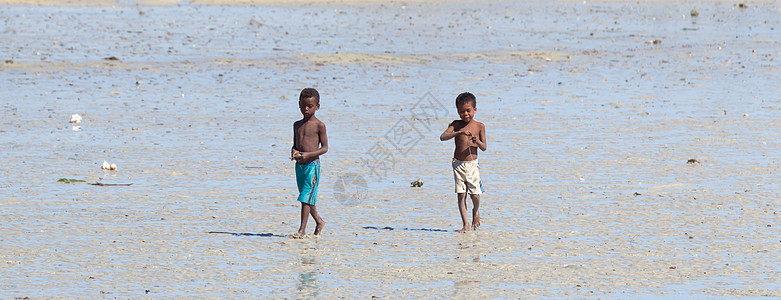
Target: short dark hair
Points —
{"points": [[309, 93], [464, 98]]}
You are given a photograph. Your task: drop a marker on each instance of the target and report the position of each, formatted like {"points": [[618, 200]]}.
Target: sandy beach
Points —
{"points": [[633, 149]]}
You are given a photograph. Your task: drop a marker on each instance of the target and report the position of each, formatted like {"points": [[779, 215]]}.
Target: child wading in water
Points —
{"points": [[309, 142], [470, 135]]}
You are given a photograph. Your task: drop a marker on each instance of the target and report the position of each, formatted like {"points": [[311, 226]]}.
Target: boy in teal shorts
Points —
{"points": [[309, 142]]}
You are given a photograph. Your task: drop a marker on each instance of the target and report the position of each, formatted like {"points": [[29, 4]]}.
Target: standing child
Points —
{"points": [[470, 135], [309, 142]]}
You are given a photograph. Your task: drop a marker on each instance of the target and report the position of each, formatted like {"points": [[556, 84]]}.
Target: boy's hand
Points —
{"points": [[472, 137], [296, 155]]}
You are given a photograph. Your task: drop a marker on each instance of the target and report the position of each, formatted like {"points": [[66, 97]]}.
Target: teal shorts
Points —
{"points": [[308, 179]]}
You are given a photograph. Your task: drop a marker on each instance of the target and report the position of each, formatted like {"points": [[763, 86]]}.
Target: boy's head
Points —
{"points": [[309, 93], [309, 102], [466, 97], [466, 105]]}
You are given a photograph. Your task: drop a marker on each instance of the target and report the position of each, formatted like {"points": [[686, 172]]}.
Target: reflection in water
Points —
{"points": [[307, 283], [469, 248], [307, 279], [466, 284], [466, 289]]}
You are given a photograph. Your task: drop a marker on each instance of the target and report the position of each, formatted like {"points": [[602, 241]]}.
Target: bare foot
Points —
{"points": [[463, 230], [475, 220], [319, 227], [297, 235]]}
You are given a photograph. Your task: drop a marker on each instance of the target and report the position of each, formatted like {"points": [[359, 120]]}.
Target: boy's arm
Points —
{"points": [[481, 139], [323, 139], [448, 134], [293, 150]]}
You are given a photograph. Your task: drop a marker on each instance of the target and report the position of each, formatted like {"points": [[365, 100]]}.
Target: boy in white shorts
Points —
{"points": [[469, 135]]}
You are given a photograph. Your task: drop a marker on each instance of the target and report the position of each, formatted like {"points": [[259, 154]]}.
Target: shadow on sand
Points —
{"points": [[408, 229], [248, 234]]}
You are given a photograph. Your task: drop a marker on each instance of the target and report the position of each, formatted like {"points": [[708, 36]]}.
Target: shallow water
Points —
{"points": [[589, 130]]}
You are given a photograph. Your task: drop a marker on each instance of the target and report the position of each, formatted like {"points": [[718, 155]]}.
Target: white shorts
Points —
{"points": [[467, 177]]}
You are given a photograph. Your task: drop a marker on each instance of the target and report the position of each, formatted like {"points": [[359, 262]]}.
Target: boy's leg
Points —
{"points": [[475, 211], [462, 210], [305, 209], [320, 223]]}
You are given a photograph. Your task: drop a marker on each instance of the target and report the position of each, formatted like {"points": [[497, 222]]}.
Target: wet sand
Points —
{"points": [[590, 126]]}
